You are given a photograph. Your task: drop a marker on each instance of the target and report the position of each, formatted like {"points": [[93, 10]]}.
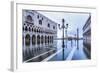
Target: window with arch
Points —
{"points": [[27, 40], [49, 25], [34, 29], [52, 39], [38, 39], [23, 39], [53, 27], [40, 22], [29, 29], [29, 18], [37, 30], [45, 39], [48, 39], [26, 29], [42, 18], [23, 28], [42, 39], [38, 16], [33, 40]]}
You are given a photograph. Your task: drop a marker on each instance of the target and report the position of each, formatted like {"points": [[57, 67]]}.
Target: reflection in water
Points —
{"points": [[61, 54], [79, 53], [41, 53], [38, 54]]}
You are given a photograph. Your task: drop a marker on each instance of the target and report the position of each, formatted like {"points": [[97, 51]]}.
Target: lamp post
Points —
{"points": [[77, 38], [63, 27]]}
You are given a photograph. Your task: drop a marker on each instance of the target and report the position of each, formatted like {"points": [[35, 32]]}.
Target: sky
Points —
{"points": [[74, 21]]}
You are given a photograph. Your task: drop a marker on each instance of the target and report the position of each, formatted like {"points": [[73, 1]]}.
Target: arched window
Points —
{"points": [[45, 39], [34, 29], [23, 28], [42, 18], [29, 18], [52, 39], [27, 40], [48, 39], [33, 40], [38, 16], [53, 27], [42, 39], [29, 29], [23, 40], [48, 25], [38, 40], [26, 29], [40, 22], [37, 31]]}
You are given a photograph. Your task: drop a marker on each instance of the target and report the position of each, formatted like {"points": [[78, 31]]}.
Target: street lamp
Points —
{"points": [[63, 27], [77, 38]]}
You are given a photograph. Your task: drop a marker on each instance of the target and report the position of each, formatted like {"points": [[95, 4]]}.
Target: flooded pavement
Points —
{"points": [[41, 54], [78, 54], [70, 52]]}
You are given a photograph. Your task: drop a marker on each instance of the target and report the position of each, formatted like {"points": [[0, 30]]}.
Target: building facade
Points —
{"points": [[87, 37], [39, 33]]}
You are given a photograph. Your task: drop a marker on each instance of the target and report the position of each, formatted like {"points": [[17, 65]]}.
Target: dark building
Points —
{"points": [[87, 37]]}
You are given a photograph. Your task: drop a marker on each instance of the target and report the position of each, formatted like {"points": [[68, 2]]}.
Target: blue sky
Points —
{"points": [[74, 20]]}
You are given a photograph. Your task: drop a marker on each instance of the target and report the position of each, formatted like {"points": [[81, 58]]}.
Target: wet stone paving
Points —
{"points": [[70, 52]]}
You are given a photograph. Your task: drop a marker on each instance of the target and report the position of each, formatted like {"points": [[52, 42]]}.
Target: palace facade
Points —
{"points": [[38, 34]]}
